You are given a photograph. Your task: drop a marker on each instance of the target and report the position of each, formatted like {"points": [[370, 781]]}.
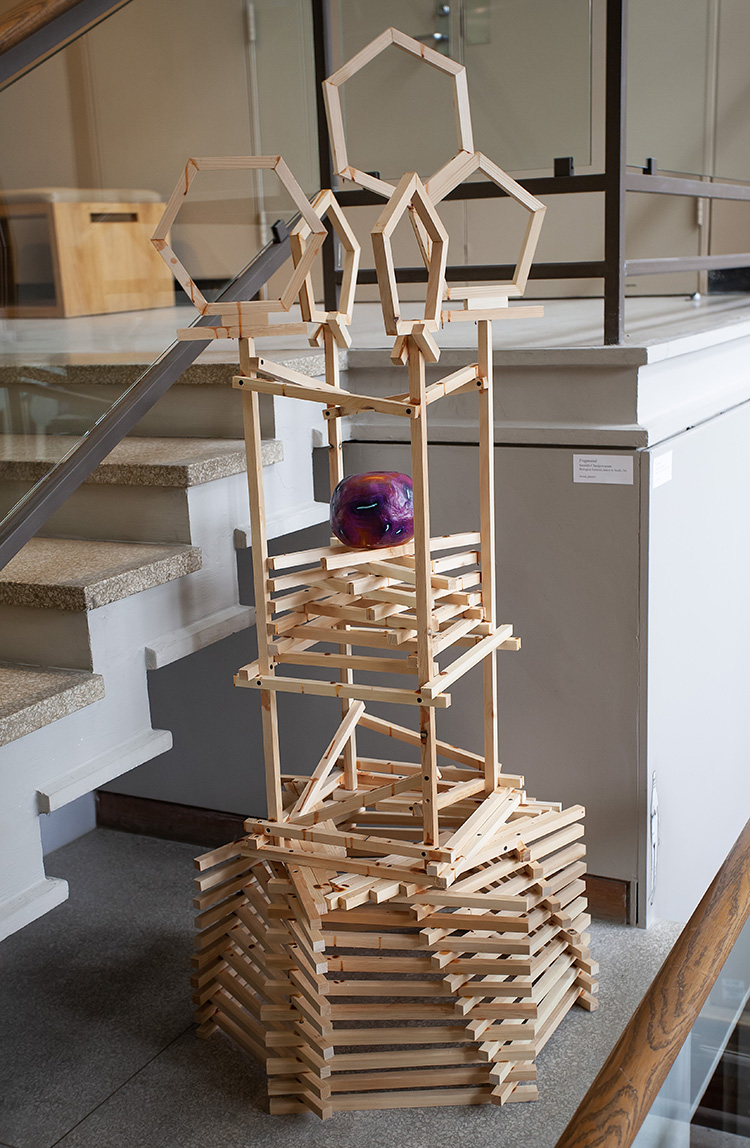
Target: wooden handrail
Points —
{"points": [[34, 30], [618, 1101], [29, 17]]}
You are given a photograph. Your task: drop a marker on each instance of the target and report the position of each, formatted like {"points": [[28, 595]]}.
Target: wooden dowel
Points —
{"points": [[269, 715], [329, 758], [456, 381], [487, 520], [465, 662]]}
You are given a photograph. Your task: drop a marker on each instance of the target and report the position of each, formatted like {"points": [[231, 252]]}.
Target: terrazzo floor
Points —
{"points": [[97, 1047]]}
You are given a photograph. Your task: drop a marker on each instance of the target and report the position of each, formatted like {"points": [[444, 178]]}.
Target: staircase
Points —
{"points": [[135, 571]]}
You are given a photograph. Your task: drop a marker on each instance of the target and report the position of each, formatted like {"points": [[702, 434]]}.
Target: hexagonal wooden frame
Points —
{"points": [[325, 204], [275, 163], [410, 193], [458, 170], [334, 113]]}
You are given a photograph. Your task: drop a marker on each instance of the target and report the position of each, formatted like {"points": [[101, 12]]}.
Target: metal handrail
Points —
{"points": [[616, 1104], [33, 510]]}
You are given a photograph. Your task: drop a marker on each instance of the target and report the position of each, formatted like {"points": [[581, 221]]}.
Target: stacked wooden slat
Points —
{"points": [[365, 979], [373, 595]]}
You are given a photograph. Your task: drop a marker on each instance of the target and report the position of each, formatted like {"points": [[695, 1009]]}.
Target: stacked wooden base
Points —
{"points": [[429, 975]]}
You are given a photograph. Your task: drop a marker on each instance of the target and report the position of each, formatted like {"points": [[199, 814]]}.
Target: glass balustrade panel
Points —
{"points": [[95, 139], [529, 72], [705, 1100]]}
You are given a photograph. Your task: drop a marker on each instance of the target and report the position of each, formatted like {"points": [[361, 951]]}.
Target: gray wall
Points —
{"points": [[569, 581]]}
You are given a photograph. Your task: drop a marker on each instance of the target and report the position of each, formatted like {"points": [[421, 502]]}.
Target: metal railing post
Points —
{"points": [[614, 172], [321, 16]]}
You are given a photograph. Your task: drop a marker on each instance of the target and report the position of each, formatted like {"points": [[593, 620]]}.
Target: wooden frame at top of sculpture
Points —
{"points": [[247, 309], [410, 195], [334, 112], [325, 205], [456, 172]]}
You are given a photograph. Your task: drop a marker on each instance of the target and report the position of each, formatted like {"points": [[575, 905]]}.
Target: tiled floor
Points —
{"points": [[97, 1049]]}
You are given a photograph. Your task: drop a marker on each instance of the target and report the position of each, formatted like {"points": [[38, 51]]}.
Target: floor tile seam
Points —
{"points": [[119, 1088]]}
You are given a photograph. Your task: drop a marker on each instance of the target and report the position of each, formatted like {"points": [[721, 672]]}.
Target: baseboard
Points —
{"points": [[609, 898], [167, 819], [23, 908]]}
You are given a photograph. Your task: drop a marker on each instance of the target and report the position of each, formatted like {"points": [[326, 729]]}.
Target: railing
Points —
{"points": [[34, 30], [30, 514], [615, 182], [618, 1101]]}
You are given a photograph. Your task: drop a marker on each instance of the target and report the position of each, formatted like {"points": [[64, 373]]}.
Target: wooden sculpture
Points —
{"points": [[396, 933]]}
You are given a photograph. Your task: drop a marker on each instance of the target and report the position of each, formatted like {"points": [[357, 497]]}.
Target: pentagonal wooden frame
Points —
{"points": [[334, 112], [275, 163], [458, 170], [410, 193], [325, 204]]}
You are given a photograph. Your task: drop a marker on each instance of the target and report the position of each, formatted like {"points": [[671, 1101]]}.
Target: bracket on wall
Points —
{"points": [[564, 165]]}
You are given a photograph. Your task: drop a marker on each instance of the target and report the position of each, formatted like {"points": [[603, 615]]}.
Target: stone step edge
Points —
{"points": [[180, 473], [77, 689], [124, 374], [112, 588]]}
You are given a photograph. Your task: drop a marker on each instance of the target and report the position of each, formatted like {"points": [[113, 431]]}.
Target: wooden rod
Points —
{"points": [[423, 570], [335, 475], [487, 519], [263, 606]]}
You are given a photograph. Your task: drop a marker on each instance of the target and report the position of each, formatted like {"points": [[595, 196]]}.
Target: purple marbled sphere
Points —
{"points": [[374, 509]]}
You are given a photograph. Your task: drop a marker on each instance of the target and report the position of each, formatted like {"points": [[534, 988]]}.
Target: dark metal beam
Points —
{"points": [[539, 185], [614, 167], [50, 492], [593, 269], [321, 17]]}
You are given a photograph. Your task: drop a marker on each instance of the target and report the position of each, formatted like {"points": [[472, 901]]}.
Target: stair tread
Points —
{"points": [[70, 369], [35, 696], [173, 462], [74, 574]]}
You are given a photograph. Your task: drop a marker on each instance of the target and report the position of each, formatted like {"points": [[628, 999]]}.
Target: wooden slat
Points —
{"points": [[328, 760], [271, 684]]}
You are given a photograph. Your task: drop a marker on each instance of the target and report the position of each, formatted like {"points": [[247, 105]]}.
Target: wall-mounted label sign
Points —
{"points": [[662, 469], [607, 468]]}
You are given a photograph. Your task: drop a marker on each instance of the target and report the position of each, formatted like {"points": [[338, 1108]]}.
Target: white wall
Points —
{"points": [[699, 664]]}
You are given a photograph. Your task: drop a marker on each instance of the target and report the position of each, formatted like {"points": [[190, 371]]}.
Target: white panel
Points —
{"points": [[699, 657]]}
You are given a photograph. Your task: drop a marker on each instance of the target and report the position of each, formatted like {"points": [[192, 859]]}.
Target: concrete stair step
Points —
{"points": [[201, 403], [138, 494], [34, 696], [80, 575], [169, 462]]}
